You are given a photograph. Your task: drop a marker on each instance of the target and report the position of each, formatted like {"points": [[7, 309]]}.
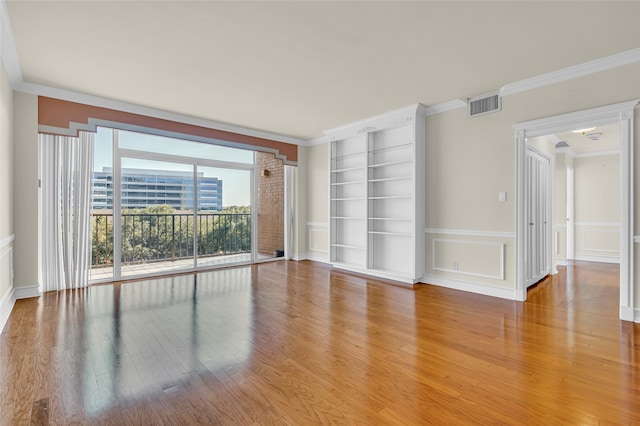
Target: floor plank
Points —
{"points": [[299, 343]]}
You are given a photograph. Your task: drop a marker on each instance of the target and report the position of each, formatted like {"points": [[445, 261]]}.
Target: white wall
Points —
{"points": [[25, 196], [6, 197]]}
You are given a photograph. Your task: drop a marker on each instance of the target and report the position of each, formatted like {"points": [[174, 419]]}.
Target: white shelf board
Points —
{"points": [[348, 199], [348, 217], [348, 246], [399, 234], [390, 163], [348, 169], [390, 179], [352, 182], [391, 197]]}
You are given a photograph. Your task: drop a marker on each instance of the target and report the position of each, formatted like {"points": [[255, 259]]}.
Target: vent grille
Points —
{"points": [[484, 105], [562, 144]]}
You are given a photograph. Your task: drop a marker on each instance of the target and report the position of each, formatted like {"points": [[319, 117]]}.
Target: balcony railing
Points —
{"points": [[148, 238]]}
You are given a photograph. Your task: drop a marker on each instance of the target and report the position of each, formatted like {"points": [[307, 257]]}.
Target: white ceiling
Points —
{"points": [[609, 140], [298, 68]]}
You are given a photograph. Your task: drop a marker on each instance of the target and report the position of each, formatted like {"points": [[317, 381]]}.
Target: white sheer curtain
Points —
{"points": [[66, 172]]}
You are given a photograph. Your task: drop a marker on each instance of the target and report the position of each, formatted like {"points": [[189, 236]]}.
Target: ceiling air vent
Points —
{"points": [[562, 144], [484, 104]]}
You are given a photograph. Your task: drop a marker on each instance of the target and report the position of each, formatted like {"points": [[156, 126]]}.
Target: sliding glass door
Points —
{"points": [[163, 205], [224, 233], [156, 217]]}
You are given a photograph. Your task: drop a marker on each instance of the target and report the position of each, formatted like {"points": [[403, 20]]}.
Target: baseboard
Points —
{"points": [[600, 259], [27, 292], [503, 293], [316, 258], [629, 314], [300, 256], [561, 262], [6, 306]]}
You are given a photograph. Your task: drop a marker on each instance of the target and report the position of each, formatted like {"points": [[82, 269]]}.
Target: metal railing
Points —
{"points": [[150, 238]]}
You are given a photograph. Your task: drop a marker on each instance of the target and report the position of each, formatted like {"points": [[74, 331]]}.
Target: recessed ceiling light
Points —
{"points": [[584, 131]]}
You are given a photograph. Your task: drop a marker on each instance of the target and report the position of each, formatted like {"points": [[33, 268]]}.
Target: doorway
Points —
{"points": [[622, 114]]}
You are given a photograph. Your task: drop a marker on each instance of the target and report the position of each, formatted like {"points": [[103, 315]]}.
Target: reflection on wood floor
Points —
{"points": [[298, 343]]}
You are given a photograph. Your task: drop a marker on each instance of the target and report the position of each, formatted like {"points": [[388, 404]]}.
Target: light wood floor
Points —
{"points": [[297, 343]]}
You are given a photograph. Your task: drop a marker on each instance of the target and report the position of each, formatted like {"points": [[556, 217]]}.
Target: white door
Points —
{"points": [[537, 215]]}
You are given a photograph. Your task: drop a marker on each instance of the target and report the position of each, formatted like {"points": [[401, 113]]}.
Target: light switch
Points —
{"points": [[502, 196]]}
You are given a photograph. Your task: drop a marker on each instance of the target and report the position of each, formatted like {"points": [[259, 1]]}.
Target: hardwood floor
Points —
{"points": [[298, 343]]}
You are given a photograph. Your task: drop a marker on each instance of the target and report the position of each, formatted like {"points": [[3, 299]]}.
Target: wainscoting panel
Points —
{"points": [[466, 257], [598, 241], [7, 297], [318, 240]]}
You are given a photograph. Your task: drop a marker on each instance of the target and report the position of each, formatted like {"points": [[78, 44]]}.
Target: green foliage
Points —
{"points": [[159, 233]]}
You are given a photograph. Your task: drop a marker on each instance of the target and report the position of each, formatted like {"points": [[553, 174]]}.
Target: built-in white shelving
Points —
{"points": [[377, 195]]}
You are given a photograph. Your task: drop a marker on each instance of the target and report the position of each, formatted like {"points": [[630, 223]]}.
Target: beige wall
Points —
{"points": [[300, 205], [25, 197], [560, 205], [471, 160], [318, 201], [6, 185], [597, 207]]}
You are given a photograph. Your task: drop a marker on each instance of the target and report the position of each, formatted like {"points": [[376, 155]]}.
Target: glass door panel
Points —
{"points": [[102, 207], [224, 216], [157, 217]]}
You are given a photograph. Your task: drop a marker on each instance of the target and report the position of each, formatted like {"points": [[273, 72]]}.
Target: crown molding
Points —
{"points": [[446, 106], [377, 122], [608, 62], [318, 141]]}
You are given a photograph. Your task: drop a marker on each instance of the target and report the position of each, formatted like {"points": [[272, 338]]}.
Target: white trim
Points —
{"points": [[392, 276], [562, 262], [622, 113], [395, 118], [570, 121], [629, 314], [300, 256], [602, 224], [560, 226], [597, 154], [490, 234], [7, 240], [27, 292], [318, 224], [580, 70], [601, 259], [318, 141], [6, 306], [485, 290], [446, 106], [636, 239], [501, 274], [317, 258]]}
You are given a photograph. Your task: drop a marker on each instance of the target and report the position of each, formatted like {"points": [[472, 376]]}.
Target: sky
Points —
{"points": [[235, 183]]}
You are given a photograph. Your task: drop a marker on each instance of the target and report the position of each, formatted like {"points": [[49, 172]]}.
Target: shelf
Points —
{"points": [[348, 247], [355, 154], [392, 197], [348, 183], [348, 169], [348, 217], [390, 179], [390, 163], [399, 234], [348, 199], [403, 219], [391, 148]]}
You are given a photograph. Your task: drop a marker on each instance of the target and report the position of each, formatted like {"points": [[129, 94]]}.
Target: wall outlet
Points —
{"points": [[456, 265], [502, 196]]}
